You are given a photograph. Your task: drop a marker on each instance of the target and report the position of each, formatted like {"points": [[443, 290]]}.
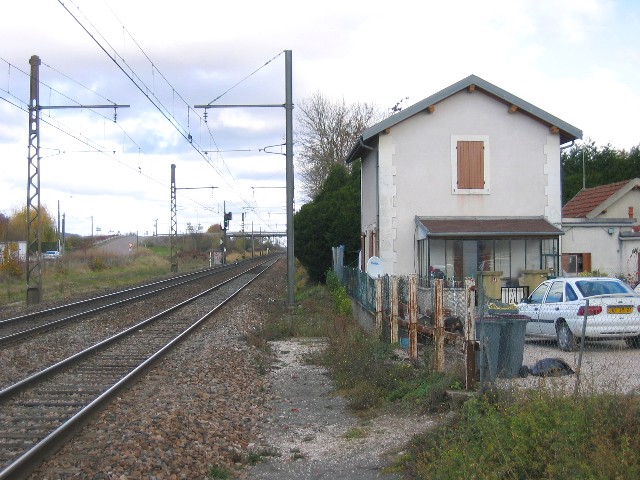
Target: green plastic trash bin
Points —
{"points": [[501, 338], [488, 333], [511, 344]]}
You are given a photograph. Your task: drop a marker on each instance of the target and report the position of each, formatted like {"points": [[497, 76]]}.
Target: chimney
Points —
{"points": [[631, 212]]}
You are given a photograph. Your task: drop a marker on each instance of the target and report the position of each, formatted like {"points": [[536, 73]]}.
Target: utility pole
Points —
{"points": [[225, 225], [64, 250], [244, 244], [34, 222], [174, 219], [288, 106], [34, 219], [289, 173], [58, 230], [174, 222]]}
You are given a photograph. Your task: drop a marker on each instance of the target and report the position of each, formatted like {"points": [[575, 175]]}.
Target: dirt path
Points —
{"points": [[313, 433]]}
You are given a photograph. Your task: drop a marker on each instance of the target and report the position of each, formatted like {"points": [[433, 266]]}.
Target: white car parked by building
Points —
{"points": [[556, 309]]}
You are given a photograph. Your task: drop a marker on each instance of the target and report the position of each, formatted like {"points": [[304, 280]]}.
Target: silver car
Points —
{"points": [[556, 309]]}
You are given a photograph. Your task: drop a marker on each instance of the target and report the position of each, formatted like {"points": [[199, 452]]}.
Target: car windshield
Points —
{"points": [[589, 288]]}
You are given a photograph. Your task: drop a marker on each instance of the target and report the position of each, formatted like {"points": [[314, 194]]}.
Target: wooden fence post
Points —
{"points": [[393, 321], [438, 334], [379, 307], [413, 316], [470, 343]]}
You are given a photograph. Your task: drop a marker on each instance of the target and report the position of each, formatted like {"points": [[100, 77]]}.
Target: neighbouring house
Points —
{"points": [[15, 249], [602, 232], [466, 180]]}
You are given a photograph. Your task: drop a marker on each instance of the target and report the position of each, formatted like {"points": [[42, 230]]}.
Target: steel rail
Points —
{"points": [[25, 463], [66, 306], [169, 283]]}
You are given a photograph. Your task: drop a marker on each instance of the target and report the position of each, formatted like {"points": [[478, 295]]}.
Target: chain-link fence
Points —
{"points": [[489, 333], [416, 315]]}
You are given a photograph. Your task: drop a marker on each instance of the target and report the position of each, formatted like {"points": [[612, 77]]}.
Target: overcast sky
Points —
{"points": [[577, 59]]}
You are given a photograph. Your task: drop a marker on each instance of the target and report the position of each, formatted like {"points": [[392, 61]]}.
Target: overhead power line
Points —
{"points": [[148, 92]]}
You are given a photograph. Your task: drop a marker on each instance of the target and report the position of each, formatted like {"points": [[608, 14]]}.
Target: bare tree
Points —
{"points": [[326, 133]]}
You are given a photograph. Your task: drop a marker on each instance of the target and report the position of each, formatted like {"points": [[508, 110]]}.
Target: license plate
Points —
{"points": [[625, 309]]}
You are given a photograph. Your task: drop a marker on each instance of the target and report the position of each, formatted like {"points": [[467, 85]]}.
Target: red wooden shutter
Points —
{"points": [[586, 262], [471, 164]]}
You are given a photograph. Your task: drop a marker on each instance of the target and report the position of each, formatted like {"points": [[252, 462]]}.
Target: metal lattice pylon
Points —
{"points": [[34, 230], [174, 221]]}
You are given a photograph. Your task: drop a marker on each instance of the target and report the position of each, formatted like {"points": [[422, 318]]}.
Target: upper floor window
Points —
{"points": [[470, 164]]}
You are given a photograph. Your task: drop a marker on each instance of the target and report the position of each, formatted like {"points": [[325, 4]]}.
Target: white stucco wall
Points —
{"points": [[416, 171], [620, 208], [369, 192], [609, 254]]}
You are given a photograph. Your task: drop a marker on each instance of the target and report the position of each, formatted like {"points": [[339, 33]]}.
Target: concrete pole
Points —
{"points": [[289, 174]]}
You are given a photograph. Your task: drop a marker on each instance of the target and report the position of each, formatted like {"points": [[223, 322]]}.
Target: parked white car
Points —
{"points": [[51, 254], [556, 309]]}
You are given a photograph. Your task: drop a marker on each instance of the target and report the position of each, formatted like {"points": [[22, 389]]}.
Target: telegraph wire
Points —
{"points": [[187, 136], [95, 147], [244, 79], [149, 93]]}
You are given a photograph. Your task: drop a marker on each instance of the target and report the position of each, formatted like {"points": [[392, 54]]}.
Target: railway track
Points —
{"points": [[24, 326], [39, 413]]}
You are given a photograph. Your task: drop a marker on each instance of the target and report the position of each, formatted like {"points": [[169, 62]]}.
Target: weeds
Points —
{"points": [[258, 456], [79, 273], [219, 473], [533, 434], [355, 433]]}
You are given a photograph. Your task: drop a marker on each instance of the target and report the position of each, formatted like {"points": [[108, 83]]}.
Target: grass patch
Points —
{"points": [[309, 317], [365, 369], [219, 473], [89, 272], [355, 433], [532, 434]]}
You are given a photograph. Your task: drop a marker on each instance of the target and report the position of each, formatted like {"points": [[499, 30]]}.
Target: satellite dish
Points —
{"points": [[374, 267]]}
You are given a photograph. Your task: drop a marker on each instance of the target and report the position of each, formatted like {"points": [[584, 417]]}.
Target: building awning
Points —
{"points": [[486, 227]]}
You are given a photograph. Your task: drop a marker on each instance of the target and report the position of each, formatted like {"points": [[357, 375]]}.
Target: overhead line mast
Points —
{"points": [[34, 218], [288, 106]]}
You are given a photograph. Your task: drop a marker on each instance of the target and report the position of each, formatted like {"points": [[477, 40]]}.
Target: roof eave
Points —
{"points": [[492, 234], [568, 132]]}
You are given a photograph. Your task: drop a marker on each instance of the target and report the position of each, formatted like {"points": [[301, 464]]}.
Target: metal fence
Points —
{"points": [[477, 331]]}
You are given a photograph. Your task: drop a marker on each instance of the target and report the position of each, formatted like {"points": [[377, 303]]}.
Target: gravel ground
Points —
{"points": [[310, 433], [26, 357], [211, 404]]}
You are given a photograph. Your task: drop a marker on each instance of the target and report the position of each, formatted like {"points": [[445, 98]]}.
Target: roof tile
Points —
{"points": [[589, 198]]}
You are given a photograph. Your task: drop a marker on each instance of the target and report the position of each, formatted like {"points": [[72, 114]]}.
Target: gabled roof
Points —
{"points": [[567, 132], [591, 202]]}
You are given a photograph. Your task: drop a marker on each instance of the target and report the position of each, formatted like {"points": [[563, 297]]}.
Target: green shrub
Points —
{"points": [[340, 297]]}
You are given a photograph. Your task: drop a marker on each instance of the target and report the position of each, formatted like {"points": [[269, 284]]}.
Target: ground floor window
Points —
{"points": [[575, 263], [455, 259]]}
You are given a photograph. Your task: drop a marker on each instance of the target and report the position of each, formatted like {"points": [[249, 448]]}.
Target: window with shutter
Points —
{"points": [[470, 164]]}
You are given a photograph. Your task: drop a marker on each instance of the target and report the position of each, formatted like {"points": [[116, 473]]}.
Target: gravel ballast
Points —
{"points": [[210, 408]]}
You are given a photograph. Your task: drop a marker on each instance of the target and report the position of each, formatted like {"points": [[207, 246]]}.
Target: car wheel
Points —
{"points": [[633, 342], [566, 340]]}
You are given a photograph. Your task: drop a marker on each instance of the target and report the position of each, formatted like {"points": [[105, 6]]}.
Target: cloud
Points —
{"points": [[576, 59]]}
